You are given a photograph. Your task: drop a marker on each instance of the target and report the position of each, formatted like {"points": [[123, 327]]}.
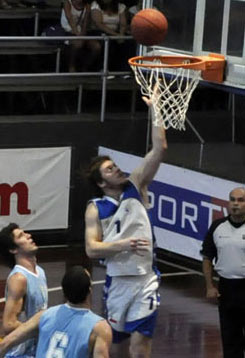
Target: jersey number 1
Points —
{"points": [[118, 226]]}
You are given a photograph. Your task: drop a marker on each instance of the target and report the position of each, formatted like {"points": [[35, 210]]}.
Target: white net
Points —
{"points": [[174, 91]]}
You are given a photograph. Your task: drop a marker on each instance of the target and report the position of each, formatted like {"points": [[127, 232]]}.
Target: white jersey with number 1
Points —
{"points": [[123, 219]]}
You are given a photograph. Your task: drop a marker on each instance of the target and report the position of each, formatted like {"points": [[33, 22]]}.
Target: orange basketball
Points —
{"points": [[149, 27]]}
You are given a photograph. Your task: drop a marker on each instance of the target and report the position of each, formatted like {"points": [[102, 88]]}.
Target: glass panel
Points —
{"points": [[181, 20], [213, 25], [236, 28]]}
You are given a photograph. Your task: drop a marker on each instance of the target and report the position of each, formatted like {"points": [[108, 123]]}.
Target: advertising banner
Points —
{"points": [[35, 187], [184, 203]]}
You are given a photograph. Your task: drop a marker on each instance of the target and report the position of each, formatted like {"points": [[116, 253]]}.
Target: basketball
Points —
{"points": [[149, 27]]}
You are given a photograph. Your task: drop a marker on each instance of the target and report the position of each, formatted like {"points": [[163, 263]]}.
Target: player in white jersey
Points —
{"points": [[118, 229], [26, 286], [70, 330]]}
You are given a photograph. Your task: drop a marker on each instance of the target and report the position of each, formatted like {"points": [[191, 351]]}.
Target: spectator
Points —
{"points": [[109, 17], [132, 10], [4, 5], [75, 18]]}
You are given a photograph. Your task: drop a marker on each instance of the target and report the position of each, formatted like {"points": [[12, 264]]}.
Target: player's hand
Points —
{"points": [[147, 100], [139, 245], [2, 350], [154, 97], [212, 292]]}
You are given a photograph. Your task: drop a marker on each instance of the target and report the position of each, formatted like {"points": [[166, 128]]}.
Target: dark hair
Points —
{"points": [[85, 2], [7, 243], [113, 5], [76, 284], [93, 173]]}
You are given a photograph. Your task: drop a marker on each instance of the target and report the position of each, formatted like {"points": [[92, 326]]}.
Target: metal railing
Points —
{"points": [[59, 42], [32, 13]]}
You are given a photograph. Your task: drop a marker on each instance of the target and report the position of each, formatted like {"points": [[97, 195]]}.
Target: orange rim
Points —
{"points": [[211, 66], [195, 63]]}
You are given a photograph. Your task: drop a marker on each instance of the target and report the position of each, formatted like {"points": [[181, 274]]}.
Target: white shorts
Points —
{"points": [[129, 299]]}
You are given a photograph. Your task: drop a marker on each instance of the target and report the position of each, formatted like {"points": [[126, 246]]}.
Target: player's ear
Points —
{"points": [[101, 184], [13, 251]]}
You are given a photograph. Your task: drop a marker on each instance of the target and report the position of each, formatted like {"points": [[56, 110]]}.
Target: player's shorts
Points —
{"points": [[131, 303]]}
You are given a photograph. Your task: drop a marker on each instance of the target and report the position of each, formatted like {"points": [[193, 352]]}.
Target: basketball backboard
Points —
{"points": [[198, 27]]}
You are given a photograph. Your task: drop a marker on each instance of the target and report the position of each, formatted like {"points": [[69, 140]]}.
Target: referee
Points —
{"points": [[225, 244]]}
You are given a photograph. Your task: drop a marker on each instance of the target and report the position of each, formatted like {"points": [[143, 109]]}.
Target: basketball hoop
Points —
{"points": [[175, 78]]}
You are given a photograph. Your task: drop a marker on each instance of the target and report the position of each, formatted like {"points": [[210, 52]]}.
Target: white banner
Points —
{"points": [[184, 203], [35, 187]]}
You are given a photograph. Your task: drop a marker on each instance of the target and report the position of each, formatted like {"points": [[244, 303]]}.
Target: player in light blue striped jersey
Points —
{"points": [[69, 330]]}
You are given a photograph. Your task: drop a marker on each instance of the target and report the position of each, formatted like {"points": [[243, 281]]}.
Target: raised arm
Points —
{"points": [[16, 287], [26, 330], [211, 289], [96, 248], [144, 174], [102, 340]]}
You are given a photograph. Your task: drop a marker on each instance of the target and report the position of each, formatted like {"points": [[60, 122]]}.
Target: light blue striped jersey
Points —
{"points": [[36, 299], [64, 331]]}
